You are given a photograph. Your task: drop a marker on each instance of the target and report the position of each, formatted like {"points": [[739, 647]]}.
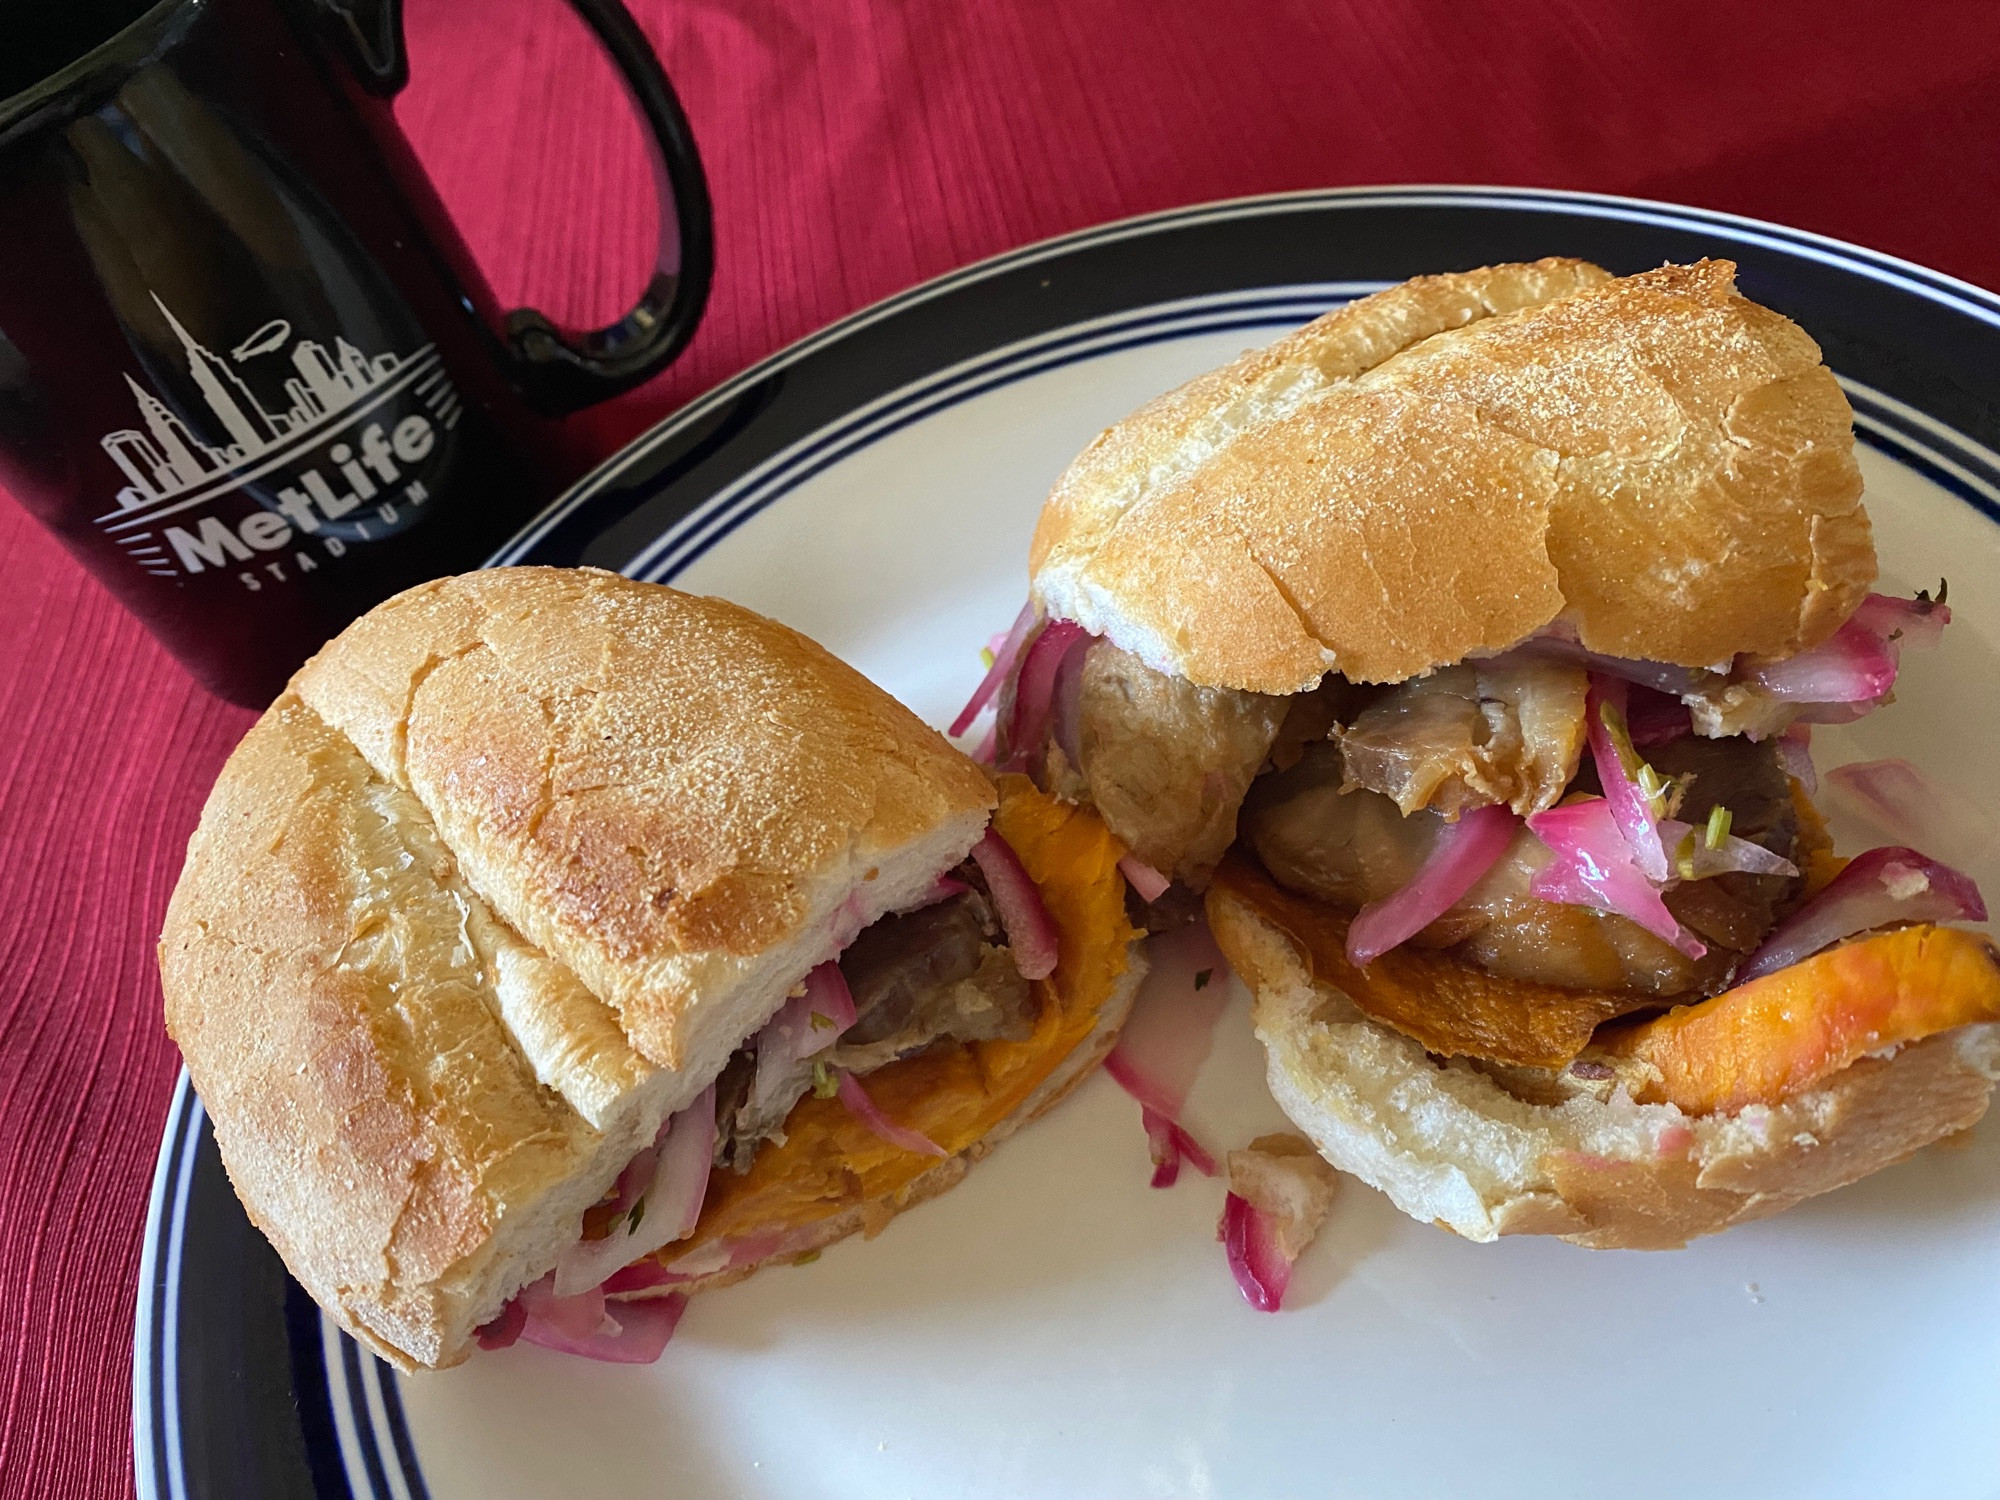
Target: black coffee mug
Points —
{"points": [[249, 373]]}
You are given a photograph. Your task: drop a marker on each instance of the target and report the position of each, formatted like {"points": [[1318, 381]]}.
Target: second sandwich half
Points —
{"points": [[559, 944]]}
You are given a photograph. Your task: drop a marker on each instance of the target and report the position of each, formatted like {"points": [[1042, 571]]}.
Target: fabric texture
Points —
{"points": [[852, 150]]}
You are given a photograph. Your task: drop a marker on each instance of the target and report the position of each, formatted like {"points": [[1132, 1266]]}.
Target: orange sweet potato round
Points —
{"points": [[1774, 1036]]}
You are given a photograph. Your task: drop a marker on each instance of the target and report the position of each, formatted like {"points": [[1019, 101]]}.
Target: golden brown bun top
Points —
{"points": [[1449, 466], [650, 786]]}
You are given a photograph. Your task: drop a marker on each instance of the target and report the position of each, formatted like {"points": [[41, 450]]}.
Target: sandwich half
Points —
{"points": [[1459, 651], [556, 938]]}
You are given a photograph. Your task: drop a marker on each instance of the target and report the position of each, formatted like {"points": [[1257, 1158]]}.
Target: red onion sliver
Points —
{"points": [[645, 1326], [1003, 664], [640, 1276], [1066, 701], [1172, 1026], [1143, 878], [855, 1097], [1734, 854], [1465, 851], [1881, 888], [1593, 867], [1901, 801], [1167, 1038], [1262, 1273], [947, 886], [1655, 718], [1911, 622], [1031, 933], [505, 1329], [808, 1023], [1629, 803], [633, 1334], [1659, 676], [1035, 686], [672, 1196], [1795, 755], [1152, 1098], [1854, 665], [1170, 1145]]}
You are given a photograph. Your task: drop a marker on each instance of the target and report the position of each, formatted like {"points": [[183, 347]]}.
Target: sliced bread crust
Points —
{"points": [[1445, 468], [1451, 1145]]}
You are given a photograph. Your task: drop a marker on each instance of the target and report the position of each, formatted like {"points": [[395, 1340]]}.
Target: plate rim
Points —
{"points": [[1940, 287], [155, 1410]]}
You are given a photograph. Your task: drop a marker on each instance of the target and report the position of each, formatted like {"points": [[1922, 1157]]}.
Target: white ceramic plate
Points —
{"points": [[1053, 1327]]}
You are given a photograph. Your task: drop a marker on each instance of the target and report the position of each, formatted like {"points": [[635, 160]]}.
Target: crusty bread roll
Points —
{"points": [[496, 887], [1451, 1143], [1444, 468]]}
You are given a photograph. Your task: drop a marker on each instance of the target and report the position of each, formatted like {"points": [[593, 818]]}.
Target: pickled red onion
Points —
{"points": [[664, 1210], [808, 1023], [864, 1109], [1795, 755], [1904, 622], [505, 1329], [1631, 806], [1594, 867], [1031, 934], [1003, 664], [1901, 801], [1066, 702], [1465, 851], [1656, 718], [1659, 676], [640, 1276], [1170, 1145], [1859, 662], [947, 886], [1854, 665], [1034, 688], [1881, 887], [1143, 878], [1694, 859], [1167, 1038], [1262, 1273], [586, 1326]]}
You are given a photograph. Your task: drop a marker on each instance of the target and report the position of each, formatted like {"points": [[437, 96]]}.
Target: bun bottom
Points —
{"points": [[1451, 1145]]}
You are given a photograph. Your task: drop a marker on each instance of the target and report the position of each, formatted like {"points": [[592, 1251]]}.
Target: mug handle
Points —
{"points": [[562, 372]]}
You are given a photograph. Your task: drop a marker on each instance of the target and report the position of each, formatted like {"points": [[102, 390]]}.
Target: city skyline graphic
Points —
{"points": [[168, 459]]}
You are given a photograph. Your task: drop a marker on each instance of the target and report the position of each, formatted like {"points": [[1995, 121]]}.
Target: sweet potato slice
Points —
{"points": [[1774, 1036], [1454, 1009], [955, 1093]]}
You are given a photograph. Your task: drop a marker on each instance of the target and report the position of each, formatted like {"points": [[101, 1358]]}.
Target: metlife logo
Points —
{"points": [[354, 454]]}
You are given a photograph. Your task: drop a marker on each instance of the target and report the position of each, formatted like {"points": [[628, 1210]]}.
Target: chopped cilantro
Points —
{"points": [[986, 657], [1202, 978], [825, 1085], [1719, 819], [819, 1022], [1654, 786], [638, 1213]]}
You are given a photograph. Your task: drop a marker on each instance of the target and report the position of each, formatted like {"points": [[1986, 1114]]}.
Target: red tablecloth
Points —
{"points": [[852, 150]]}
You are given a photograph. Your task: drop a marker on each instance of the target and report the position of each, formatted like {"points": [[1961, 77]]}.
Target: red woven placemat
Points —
{"points": [[852, 150]]}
